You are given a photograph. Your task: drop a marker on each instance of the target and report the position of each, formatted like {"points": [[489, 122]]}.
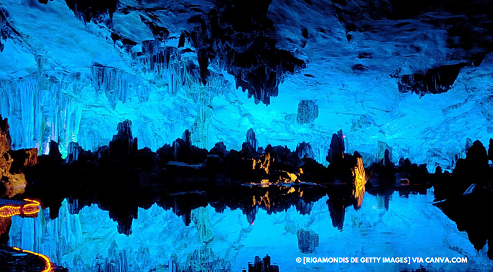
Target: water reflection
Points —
{"points": [[26, 208], [181, 234]]}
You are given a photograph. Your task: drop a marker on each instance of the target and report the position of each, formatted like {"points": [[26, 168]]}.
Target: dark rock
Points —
{"points": [[336, 151], [433, 81], [54, 151], [73, 152], [304, 150], [23, 158], [89, 10], [123, 144], [250, 138], [387, 161], [166, 154], [283, 159], [337, 210], [248, 151], [214, 163], [381, 149], [262, 265], [312, 171], [470, 212], [184, 151], [219, 149], [304, 207], [221, 35], [384, 172], [144, 159], [473, 169]]}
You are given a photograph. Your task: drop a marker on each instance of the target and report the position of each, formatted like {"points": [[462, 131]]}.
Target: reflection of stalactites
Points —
{"points": [[200, 217], [262, 265], [337, 210], [359, 200], [383, 199], [251, 213], [203, 259], [5, 223], [307, 241], [47, 261], [303, 207], [186, 218], [200, 128], [266, 200], [117, 259]]}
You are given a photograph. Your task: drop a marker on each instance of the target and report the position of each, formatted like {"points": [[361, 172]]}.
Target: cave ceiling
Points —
{"points": [[423, 45]]}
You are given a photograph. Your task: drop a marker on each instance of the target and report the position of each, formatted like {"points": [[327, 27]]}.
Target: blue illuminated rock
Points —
{"points": [[307, 241]]}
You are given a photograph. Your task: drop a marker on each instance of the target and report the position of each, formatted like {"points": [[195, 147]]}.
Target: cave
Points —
{"points": [[229, 135]]}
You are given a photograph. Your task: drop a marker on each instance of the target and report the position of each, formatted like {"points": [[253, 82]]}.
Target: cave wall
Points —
{"points": [[71, 75]]}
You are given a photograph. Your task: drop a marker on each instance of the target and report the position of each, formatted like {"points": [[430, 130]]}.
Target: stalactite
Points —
{"points": [[200, 128], [117, 85]]}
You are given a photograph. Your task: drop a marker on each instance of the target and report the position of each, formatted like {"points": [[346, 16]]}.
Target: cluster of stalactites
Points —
{"points": [[118, 85]]}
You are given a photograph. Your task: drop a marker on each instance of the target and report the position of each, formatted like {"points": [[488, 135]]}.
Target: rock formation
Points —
{"points": [[336, 151], [307, 112], [490, 151], [13, 181], [262, 265], [307, 241]]}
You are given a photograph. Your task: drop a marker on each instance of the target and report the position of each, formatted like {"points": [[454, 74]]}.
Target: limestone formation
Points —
{"points": [[12, 182], [490, 151], [307, 112], [250, 138], [123, 144], [336, 151], [307, 241], [262, 265], [200, 217]]}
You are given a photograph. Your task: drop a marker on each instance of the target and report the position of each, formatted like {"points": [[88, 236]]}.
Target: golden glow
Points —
{"points": [[31, 208], [9, 211], [46, 259]]}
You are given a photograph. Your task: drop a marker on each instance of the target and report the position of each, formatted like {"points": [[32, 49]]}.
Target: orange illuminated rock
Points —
{"points": [[10, 183], [359, 181], [23, 158], [264, 162], [4, 136]]}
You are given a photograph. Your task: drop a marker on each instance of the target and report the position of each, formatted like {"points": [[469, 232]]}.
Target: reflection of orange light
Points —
{"points": [[9, 211], [46, 259], [31, 208]]}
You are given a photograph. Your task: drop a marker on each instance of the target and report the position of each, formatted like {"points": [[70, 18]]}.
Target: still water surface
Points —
{"points": [[226, 241]]}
